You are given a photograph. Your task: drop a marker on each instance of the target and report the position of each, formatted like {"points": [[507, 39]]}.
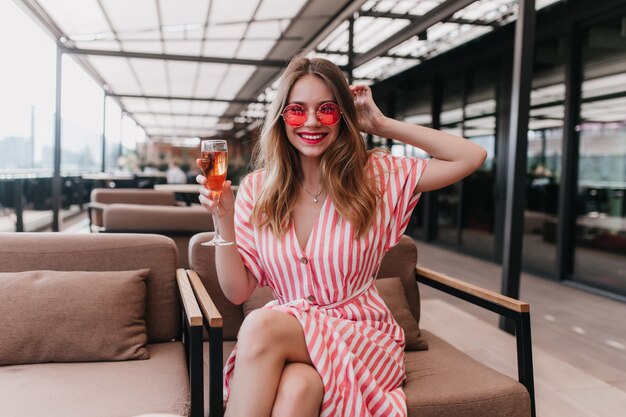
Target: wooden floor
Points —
{"points": [[579, 339]]}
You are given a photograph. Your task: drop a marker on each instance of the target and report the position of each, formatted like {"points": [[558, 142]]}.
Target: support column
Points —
{"points": [[104, 134], [350, 49], [430, 198], [56, 175], [517, 150], [566, 226]]}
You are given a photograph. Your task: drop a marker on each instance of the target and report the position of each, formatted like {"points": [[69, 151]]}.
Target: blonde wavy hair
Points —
{"points": [[343, 164]]}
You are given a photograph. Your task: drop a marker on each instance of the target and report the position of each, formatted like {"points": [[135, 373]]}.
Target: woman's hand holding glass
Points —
{"points": [[214, 163], [224, 207]]}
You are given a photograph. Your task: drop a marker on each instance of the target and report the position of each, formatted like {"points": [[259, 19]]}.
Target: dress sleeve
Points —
{"points": [[244, 230], [403, 175]]}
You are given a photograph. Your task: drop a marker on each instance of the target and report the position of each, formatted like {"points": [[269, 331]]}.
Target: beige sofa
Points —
{"points": [[100, 198], [90, 325], [441, 381], [179, 223]]}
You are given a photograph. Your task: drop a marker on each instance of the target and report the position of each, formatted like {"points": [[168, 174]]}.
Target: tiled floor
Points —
{"points": [[579, 339]]}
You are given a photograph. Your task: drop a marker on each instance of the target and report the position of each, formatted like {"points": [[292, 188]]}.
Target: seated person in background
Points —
{"points": [[175, 175], [313, 222]]}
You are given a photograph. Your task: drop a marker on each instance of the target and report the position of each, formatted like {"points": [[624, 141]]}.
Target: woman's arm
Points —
{"points": [[236, 281], [454, 158]]}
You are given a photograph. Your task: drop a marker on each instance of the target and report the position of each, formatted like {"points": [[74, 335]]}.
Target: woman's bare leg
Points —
{"points": [[267, 340], [300, 392]]}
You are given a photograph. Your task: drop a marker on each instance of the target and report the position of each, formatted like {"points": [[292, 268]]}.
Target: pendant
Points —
{"points": [[315, 199]]}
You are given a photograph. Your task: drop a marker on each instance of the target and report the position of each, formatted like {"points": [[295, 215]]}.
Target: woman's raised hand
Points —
{"points": [[370, 118]]}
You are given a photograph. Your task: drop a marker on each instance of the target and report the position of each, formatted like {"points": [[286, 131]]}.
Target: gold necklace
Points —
{"points": [[315, 196]]}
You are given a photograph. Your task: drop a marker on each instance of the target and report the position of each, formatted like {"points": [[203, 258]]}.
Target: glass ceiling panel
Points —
{"points": [[180, 106], [139, 105], [226, 31], [232, 11], [235, 78], [177, 13], [254, 49], [274, 9], [130, 17], [221, 49], [385, 5], [182, 77], [117, 73], [153, 77], [145, 119], [159, 105], [76, 17], [209, 78], [376, 32], [403, 6], [423, 7], [268, 29], [217, 107]]}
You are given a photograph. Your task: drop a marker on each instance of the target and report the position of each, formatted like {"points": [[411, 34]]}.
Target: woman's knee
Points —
{"points": [[300, 386], [258, 333]]}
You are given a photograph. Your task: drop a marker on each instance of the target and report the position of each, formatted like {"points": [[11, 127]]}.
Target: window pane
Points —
{"points": [[600, 256]]}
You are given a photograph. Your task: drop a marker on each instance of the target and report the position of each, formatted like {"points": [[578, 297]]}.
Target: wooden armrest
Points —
{"points": [[192, 309], [211, 313], [488, 295], [96, 205]]}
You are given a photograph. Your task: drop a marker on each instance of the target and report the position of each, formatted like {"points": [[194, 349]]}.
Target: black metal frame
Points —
{"points": [[522, 331], [216, 385], [191, 336], [192, 339]]}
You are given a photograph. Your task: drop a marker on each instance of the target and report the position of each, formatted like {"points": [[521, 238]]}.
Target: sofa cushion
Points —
{"points": [[401, 261], [99, 389], [72, 316], [105, 252], [157, 219], [391, 291], [260, 297], [443, 381]]}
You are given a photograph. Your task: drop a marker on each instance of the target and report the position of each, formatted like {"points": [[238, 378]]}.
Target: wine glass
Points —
{"points": [[214, 163]]}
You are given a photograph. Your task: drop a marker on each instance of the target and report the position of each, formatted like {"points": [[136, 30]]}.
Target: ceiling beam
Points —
{"points": [[218, 100], [156, 113], [413, 18], [436, 15], [344, 14], [171, 57]]}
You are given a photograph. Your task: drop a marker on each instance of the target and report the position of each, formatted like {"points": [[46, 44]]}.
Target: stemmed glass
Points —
{"points": [[214, 163]]}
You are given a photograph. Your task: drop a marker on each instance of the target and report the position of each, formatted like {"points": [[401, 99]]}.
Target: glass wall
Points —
{"points": [[545, 143], [82, 112], [113, 132], [600, 252], [449, 198], [478, 215], [414, 106]]}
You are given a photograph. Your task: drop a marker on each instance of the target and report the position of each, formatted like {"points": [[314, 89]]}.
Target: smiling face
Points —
{"points": [[313, 138]]}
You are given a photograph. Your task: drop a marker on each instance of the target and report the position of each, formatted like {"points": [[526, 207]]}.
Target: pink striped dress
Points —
{"points": [[354, 342]]}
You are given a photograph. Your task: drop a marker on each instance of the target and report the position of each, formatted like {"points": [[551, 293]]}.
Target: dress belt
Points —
{"points": [[336, 304]]}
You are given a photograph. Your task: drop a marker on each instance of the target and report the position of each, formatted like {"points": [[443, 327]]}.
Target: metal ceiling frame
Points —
{"points": [[419, 24], [441, 12]]}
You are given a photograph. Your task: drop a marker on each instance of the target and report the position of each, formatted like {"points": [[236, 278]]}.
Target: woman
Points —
{"points": [[313, 222]]}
